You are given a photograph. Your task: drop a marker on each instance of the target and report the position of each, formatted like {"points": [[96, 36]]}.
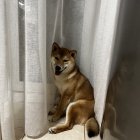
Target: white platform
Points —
{"points": [[76, 133]]}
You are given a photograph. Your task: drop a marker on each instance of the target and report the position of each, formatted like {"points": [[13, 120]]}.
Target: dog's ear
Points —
{"points": [[73, 53], [55, 46]]}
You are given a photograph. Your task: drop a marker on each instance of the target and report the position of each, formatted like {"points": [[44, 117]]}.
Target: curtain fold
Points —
{"points": [[103, 47], [35, 70], [6, 98], [27, 30]]}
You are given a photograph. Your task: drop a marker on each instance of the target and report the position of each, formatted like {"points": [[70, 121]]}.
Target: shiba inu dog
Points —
{"points": [[75, 91]]}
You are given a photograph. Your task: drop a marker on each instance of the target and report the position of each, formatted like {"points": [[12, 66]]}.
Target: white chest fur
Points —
{"points": [[62, 85]]}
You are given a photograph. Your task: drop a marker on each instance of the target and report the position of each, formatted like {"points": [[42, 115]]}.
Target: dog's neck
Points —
{"points": [[73, 72]]}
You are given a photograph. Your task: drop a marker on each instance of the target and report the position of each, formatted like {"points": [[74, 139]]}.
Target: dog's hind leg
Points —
{"points": [[76, 113], [68, 123]]}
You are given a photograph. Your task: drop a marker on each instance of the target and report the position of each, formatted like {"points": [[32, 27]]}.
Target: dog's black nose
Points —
{"points": [[57, 68]]}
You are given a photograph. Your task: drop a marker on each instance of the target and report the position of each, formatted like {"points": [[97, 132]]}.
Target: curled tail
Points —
{"points": [[92, 127]]}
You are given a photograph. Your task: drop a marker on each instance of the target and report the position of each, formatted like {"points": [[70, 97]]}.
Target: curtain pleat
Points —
{"points": [[6, 102], [35, 70], [103, 46]]}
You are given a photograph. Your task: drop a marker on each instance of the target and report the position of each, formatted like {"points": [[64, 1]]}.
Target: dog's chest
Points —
{"points": [[64, 86]]}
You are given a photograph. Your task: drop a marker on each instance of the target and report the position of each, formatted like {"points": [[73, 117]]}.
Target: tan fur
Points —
{"points": [[75, 90]]}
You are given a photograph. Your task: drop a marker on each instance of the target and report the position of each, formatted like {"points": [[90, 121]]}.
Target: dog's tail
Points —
{"points": [[92, 127]]}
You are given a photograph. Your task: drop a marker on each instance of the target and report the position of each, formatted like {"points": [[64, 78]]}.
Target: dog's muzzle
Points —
{"points": [[59, 70]]}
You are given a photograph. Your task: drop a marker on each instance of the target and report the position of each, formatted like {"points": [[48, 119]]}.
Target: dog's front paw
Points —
{"points": [[52, 130], [53, 118], [51, 113], [53, 110]]}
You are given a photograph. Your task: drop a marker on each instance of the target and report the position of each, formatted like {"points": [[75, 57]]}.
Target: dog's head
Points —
{"points": [[62, 59]]}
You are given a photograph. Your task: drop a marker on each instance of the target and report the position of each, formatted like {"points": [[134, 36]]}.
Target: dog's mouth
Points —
{"points": [[58, 72]]}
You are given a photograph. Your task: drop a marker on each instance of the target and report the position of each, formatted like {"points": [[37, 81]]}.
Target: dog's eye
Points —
{"points": [[65, 60], [56, 58]]}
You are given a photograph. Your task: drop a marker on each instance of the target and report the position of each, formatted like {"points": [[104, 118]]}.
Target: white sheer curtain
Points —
{"points": [[27, 30]]}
